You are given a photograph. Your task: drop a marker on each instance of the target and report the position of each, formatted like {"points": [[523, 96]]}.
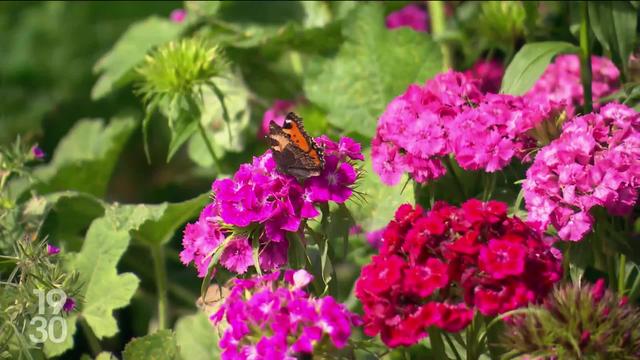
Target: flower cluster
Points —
{"points": [[434, 268], [489, 135], [411, 135], [561, 82], [594, 162], [260, 205], [450, 115], [412, 16], [577, 322], [271, 319]]}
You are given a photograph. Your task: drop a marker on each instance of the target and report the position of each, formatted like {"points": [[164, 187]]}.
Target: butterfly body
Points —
{"points": [[294, 151]]}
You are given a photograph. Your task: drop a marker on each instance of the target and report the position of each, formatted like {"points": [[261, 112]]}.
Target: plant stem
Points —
{"points": [[438, 27], [449, 165], [215, 158], [94, 343], [159, 266], [622, 278], [585, 57]]}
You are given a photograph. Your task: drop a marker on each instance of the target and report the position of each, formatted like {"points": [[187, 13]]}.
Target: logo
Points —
{"points": [[294, 150], [49, 325]]}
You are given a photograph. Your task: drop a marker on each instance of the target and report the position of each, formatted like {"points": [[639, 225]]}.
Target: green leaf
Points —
{"points": [[183, 115], [373, 66], [104, 289], [168, 217], [529, 64], [116, 67], [614, 24], [85, 157], [157, 346], [197, 337], [68, 215], [381, 201], [236, 97]]}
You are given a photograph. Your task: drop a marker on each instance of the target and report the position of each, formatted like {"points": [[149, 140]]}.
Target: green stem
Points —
{"points": [[94, 343], [157, 252], [585, 57], [449, 165], [621, 275], [207, 142], [438, 27]]}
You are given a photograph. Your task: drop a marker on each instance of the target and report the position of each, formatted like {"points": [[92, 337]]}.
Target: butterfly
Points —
{"points": [[294, 150]]}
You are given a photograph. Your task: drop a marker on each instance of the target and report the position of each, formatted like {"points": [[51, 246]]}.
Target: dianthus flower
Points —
{"points": [[561, 82], [436, 268], [412, 16], [489, 135], [411, 135], [271, 319], [489, 73], [260, 204], [594, 162], [275, 113]]}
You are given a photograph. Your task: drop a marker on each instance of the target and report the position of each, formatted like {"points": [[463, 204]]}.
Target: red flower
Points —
{"points": [[502, 259], [436, 268], [424, 280]]}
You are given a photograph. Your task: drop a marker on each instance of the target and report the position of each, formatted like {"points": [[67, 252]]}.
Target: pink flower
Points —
{"points": [[69, 305], [334, 184], [561, 82], [594, 162], [52, 250], [178, 15], [412, 16], [37, 152], [489, 73], [237, 256], [272, 319], [275, 113]]}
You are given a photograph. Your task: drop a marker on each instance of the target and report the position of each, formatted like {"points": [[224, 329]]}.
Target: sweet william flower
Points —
{"points": [[259, 203], [594, 162], [272, 319], [436, 268], [489, 73], [276, 113], [412, 16], [502, 258]]}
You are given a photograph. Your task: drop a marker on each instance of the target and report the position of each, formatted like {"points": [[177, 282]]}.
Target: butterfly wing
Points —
{"points": [[294, 151]]}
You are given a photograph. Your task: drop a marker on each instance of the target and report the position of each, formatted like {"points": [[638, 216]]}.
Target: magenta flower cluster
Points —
{"points": [[561, 82], [259, 205], [594, 162], [271, 319], [450, 115], [412, 16]]}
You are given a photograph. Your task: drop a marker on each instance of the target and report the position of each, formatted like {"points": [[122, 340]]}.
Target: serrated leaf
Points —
{"points": [[116, 66], [104, 289], [196, 337], [381, 201], [168, 218], [373, 66], [236, 98], [157, 346], [614, 24], [85, 157], [529, 64]]}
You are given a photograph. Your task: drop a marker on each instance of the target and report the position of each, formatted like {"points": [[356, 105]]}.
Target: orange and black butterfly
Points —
{"points": [[294, 150]]}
